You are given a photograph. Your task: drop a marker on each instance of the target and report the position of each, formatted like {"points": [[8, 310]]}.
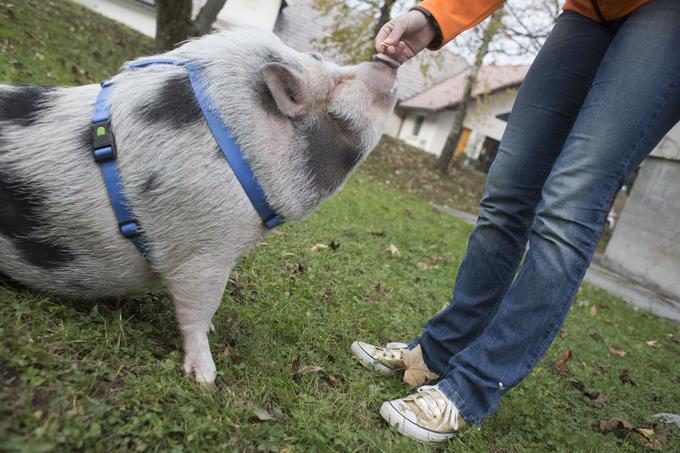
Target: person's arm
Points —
{"points": [[452, 17], [431, 24]]}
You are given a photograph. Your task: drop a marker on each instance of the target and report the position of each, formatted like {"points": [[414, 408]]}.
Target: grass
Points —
{"points": [[105, 376]]}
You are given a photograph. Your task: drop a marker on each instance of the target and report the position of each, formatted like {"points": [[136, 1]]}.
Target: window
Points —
{"points": [[418, 124]]}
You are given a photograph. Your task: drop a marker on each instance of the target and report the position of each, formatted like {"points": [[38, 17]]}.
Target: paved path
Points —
{"points": [[625, 288]]}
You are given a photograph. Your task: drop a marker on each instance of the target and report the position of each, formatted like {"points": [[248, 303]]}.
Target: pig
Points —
{"points": [[302, 123]]}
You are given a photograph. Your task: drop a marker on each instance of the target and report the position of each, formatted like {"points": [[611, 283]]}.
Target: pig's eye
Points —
{"points": [[316, 56], [342, 122]]}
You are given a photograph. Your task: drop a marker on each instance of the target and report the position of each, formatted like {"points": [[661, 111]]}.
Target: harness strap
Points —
{"points": [[105, 155], [230, 149]]}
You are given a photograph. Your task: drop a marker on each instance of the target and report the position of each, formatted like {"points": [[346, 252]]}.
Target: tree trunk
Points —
{"points": [[207, 15], [174, 25], [385, 12], [446, 160]]}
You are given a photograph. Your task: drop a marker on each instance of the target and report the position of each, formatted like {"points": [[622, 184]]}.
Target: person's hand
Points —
{"points": [[404, 36]]}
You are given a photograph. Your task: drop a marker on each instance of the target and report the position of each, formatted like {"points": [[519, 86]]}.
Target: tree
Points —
{"points": [[493, 25], [174, 24]]}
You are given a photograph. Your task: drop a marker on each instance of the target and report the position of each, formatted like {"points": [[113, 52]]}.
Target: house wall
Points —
{"points": [[135, 15], [394, 123], [257, 13], [480, 119], [433, 132], [644, 244]]}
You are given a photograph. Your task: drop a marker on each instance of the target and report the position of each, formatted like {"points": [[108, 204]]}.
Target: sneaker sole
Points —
{"points": [[410, 429], [368, 361]]}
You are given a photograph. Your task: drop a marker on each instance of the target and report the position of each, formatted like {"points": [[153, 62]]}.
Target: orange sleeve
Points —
{"points": [[453, 17]]}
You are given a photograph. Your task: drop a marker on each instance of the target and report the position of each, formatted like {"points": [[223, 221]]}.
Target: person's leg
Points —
{"points": [[543, 114], [633, 102]]}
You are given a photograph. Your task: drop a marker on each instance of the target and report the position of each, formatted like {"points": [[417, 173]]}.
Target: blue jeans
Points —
{"points": [[596, 101]]}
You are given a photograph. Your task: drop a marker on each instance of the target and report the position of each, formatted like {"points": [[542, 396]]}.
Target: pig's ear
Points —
{"points": [[285, 86]]}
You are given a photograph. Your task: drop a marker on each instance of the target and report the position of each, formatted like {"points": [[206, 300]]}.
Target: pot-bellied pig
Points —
{"points": [[301, 125]]}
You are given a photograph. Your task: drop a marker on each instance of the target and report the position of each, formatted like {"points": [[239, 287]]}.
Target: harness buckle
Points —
{"points": [[129, 228], [104, 142]]}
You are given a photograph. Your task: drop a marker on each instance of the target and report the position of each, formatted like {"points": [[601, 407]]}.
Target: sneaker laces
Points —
{"points": [[435, 408]]}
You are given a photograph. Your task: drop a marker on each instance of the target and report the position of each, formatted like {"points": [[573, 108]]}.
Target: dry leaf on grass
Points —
{"points": [[624, 377], [278, 232], [653, 344], [423, 266], [616, 352], [318, 247], [395, 251], [561, 364], [593, 311], [261, 413]]}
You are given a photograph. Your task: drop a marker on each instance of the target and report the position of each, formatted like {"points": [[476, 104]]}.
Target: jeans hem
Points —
{"points": [[448, 390]]}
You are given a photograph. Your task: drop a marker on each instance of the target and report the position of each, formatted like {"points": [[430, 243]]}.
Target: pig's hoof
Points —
{"points": [[204, 371]]}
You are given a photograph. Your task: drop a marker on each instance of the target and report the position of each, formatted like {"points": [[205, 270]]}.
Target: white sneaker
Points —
{"points": [[388, 360], [426, 416]]}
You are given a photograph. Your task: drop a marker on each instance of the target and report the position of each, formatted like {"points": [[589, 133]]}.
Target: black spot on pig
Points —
{"points": [[151, 184], [175, 104], [332, 150], [20, 223], [22, 104]]}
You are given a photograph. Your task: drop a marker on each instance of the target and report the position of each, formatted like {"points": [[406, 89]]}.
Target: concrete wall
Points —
{"points": [[645, 244], [133, 14]]}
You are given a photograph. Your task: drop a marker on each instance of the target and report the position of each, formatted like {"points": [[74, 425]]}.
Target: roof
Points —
{"points": [[300, 26], [449, 93]]}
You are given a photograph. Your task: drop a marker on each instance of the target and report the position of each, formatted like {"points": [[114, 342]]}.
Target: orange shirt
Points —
{"points": [[456, 16]]}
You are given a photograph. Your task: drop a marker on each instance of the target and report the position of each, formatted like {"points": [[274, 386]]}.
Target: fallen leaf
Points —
{"points": [[394, 251], [262, 414], [334, 245], [227, 351], [653, 344], [593, 311], [616, 352], [380, 289], [289, 254], [624, 377], [614, 424], [563, 333], [299, 268], [306, 369], [318, 247], [423, 266], [604, 369], [436, 259], [598, 401], [278, 232], [561, 364]]}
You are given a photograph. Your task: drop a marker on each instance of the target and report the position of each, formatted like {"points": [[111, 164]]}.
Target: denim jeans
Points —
{"points": [[596, 101]]}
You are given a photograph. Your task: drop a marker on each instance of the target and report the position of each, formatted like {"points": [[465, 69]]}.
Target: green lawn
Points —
{"points": [[106, 376]]}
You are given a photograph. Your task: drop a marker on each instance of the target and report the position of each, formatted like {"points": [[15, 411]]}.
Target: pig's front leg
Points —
{"points": [[196, 290]]}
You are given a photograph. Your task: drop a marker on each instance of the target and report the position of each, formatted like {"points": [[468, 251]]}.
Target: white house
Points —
{"points": [[140, 15], [429, 116]]}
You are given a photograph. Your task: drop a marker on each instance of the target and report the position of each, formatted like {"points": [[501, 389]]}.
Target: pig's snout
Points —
{"points": [[384, 59], [380, 75]]}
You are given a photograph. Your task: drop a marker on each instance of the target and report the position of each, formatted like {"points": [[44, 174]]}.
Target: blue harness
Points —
{"points": [[105, 154]]}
